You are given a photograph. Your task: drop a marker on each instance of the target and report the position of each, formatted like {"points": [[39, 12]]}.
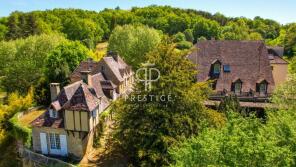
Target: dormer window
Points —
{"points": [[53, 113], [216, 68], [261, 87], [237, 86]]}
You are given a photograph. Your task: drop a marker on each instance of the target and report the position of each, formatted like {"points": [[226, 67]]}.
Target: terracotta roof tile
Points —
{"points": [[248, 61]]}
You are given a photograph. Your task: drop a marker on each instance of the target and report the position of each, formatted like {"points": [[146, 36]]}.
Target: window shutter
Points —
{"points": [[232, 87], [64, 149], [257, 87], [43, 143]]}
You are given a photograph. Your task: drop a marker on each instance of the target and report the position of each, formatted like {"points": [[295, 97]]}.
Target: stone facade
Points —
{"points": [[77, 143]]}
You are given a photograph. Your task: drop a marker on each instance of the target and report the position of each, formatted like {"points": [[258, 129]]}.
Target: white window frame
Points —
{"points": [[54, 141]]}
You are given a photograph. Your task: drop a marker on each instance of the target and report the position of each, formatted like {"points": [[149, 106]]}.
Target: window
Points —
{"points": [[237, 88], [226, 68], [53, 113], [216, 68], [263, 88], [94, 113], [55, 142]]}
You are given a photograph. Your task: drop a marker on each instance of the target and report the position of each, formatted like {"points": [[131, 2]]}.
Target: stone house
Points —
{"points": [[67, 127], [248, 69]]}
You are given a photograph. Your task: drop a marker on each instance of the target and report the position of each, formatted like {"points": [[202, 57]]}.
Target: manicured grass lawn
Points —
{"points": [[25, 120]]}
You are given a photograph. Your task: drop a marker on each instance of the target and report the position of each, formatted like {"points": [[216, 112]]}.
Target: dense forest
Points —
{"points": [[40, 47], [91, 27]]}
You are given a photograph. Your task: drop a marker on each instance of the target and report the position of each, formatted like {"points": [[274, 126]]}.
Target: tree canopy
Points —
{"points": [[146, 128], [133, 42]]}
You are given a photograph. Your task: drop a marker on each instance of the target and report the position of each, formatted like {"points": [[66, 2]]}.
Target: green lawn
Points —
{"points": [[25, 120]]}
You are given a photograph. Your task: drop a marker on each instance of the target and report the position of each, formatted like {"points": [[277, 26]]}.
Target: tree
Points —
{"points": [[3, 31], [146, 128], [24, 59], [84, 30], [255, 36], [63, 60], [229, 103], [236, 30], [179, 37], [244, 141], [290, 40], [206, 28], [184, 45], [284, 95], [189, 35], [132, 42]]}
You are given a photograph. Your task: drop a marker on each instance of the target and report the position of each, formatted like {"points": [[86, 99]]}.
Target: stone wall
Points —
{"points": [[77, 143]]}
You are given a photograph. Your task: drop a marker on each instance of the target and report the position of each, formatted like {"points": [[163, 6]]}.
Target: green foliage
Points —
{"points": [[91, 27], [19, 132], [132, 42], [84, 30], [290, 40], [24, 61], [3, 31], [292, 65], [279, 41], [146, 129], [236, 30], [285, 95], [62, 60], [255, 36], [16, 103], [184, 45], [8, 131], [229, 103], [206, 28], [268, 29], [244, 141], [189, 35], [179, 37]]}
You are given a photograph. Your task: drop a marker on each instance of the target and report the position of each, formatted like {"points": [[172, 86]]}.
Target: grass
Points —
{"points": [[25, 120]]}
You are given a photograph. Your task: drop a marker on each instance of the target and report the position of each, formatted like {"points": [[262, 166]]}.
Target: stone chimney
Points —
{"points": [[86, 77], [113, 54], [54, 90]]}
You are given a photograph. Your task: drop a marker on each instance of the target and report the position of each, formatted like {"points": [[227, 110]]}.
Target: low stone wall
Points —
{"points": [[32, 159]]}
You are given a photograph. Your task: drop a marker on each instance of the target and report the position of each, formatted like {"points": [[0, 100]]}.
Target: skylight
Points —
{"points": [[226, 68]]}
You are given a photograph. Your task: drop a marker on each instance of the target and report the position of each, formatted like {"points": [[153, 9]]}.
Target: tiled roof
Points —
{"points": [[82, 100], [248, 61], [88, 65], [274, 59], [118, 68], [276, 50], [45, 120]]}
